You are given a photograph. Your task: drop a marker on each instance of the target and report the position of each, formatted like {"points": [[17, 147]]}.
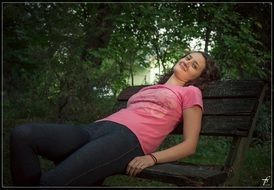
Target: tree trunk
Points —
{"points": [[99, 31], [207, 39]]}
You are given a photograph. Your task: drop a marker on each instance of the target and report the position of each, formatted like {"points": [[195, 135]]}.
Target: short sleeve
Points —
{"points": [[193, 97]]}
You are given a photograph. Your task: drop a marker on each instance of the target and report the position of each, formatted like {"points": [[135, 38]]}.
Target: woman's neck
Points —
{"points": [[174, 81]]}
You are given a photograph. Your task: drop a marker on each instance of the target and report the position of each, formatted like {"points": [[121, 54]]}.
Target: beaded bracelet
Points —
{"points": [[154, 158]]}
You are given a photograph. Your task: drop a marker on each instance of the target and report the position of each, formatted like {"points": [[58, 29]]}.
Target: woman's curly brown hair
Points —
{"points": [[210, 73]]}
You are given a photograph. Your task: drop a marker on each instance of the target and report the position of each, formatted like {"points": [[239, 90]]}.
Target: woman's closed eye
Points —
{"points": [[188, 58], [194, 66]]}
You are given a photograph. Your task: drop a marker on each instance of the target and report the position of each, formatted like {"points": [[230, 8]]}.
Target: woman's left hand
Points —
{"points": [[139, 163]]}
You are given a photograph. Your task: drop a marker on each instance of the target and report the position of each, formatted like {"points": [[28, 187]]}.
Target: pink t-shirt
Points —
{"points": [[153, 112]]}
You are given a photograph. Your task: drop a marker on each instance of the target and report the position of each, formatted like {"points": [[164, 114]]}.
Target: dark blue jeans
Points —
{"points": [[83, 154]]}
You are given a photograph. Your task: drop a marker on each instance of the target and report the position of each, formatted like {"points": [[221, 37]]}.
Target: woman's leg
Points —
{"points": [[52, 141], [108, 153]]}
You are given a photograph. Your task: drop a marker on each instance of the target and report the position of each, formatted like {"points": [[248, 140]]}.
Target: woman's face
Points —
{"points": [[190, 67]]}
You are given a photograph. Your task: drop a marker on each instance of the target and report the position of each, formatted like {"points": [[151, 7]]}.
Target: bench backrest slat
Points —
{"points": [[218, 89]]}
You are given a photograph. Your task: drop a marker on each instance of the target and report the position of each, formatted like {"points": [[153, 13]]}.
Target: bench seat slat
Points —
{"points": [[182, 174]]}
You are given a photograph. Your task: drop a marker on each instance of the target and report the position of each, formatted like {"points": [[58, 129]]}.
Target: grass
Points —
{"points": [[257, 166], [211, 150]]}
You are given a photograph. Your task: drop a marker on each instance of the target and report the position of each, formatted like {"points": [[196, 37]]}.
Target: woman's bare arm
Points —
{"points": [[192, 126], [191, 130]]}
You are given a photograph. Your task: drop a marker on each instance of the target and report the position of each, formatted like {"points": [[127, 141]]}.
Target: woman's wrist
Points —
{"points": [[153, 158]]}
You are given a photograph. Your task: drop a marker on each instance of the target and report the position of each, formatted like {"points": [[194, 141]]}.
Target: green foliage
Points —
{"points": [[65, 59], [237, 48], [47, 68]]}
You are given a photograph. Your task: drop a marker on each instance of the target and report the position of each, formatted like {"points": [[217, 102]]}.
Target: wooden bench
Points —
{"points": [[231, 110]]}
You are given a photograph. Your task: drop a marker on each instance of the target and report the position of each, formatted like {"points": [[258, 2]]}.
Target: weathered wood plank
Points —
{"points": [[191, 175], [234, 88], [225, 106], [119, 105], [222, 126]]}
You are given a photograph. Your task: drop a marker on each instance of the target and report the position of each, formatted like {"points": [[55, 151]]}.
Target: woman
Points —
{"points": [[125, 141]]}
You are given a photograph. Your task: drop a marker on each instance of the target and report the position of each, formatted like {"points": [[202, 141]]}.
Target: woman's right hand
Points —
{"points": [[139, 163]]}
